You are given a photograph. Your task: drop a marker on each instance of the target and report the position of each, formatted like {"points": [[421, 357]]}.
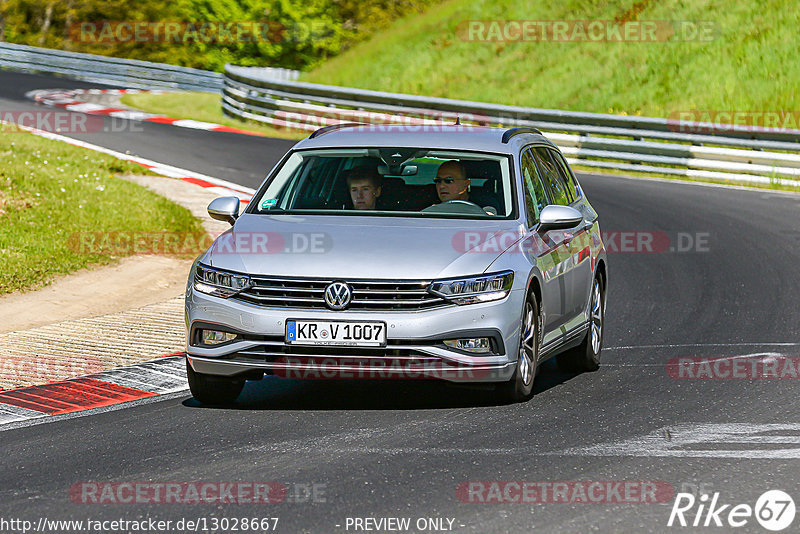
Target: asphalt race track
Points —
{"points": [[181, 147], [378, 449]]}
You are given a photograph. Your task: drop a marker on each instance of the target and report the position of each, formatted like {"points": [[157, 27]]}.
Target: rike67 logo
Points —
{"points": [[774, 510]]}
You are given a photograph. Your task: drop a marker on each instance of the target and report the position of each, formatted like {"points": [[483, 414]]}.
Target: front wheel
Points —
{"points": [[520, 387], [586, 356], [209, 389]]}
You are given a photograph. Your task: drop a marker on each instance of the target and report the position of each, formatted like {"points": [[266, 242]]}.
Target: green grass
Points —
{"points": [[750, 64], [201, 107], [50, 192]]}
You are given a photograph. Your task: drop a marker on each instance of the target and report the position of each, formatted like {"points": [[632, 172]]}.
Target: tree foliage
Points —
{"points": [[289, 33]]}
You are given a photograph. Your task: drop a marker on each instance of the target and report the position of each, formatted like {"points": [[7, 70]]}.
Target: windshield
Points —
{"points": [[389, 181]]}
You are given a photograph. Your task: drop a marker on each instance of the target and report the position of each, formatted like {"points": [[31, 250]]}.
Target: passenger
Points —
{"points": [[364, 184], [451, 181]]}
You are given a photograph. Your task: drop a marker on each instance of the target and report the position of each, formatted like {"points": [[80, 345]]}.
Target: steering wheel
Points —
{"points": [[459, 201], [455, 206]]}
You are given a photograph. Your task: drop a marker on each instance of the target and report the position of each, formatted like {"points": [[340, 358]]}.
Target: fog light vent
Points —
{"points": [[477, 344], [215, 337]]}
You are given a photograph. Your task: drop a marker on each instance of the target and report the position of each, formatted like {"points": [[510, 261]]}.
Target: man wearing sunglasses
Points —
{"points": [[451, 181]]}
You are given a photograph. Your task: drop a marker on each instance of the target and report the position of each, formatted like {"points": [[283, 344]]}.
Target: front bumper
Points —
{"points": [[414, 350]]}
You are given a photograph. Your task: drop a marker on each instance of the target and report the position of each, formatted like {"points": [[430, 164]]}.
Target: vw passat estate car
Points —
{"points": [[464, 254]]}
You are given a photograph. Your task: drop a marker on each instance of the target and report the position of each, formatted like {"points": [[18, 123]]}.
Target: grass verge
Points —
{"points": [[50, 192], [204, 107], [746, 62]]}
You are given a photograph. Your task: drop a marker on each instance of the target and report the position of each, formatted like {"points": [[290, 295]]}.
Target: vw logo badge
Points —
{"points": [[338, 295]]}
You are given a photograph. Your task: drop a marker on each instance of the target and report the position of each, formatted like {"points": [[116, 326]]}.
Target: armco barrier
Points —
{"points": [[629, 143], [129, 73]]}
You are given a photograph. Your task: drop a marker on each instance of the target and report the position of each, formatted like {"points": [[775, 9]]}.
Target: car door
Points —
{"points": [[542, 250], [580, 247], [561, 240]]}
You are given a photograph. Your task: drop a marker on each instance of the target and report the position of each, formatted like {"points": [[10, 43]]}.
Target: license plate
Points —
{"points": [[347, 333]]}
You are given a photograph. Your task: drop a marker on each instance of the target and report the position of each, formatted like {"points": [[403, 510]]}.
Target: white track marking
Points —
{"points": [[94, 411], [683, 345], [767, 356], [196, 125], [67, 100], [158, 376], [9, 414], [132, 115], [86, 107], [701, 440], [164, 376], [694, 440], [160, 168]]}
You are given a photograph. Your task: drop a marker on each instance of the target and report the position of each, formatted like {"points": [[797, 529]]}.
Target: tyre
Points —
{"points": [[586, 356], [520, 387], [209, 389]]}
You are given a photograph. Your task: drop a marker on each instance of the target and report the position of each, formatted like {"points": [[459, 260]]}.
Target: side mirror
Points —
{"points": [[555, 217], [224, 209]]}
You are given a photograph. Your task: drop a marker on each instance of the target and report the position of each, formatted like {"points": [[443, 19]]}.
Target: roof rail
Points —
{"points": [[333, 127], [508, 134]]}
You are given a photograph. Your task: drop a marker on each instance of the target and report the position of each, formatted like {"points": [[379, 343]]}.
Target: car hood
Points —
{"points": [[360, 246]]}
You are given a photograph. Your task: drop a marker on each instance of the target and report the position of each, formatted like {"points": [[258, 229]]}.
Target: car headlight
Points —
{"points": [[219, 283], [475, 289]]}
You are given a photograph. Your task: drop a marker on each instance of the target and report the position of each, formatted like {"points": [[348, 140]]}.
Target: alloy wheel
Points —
{"points": [[526, 349], [597, 318]]}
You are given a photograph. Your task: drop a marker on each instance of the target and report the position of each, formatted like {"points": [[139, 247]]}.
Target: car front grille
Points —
{"points": [[368, 295]]}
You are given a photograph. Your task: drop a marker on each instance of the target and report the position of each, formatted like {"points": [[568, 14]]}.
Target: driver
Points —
{"points": [[451, 181], [364, 184]]}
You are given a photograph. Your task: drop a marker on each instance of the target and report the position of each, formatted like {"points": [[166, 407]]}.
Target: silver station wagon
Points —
{"points": [[458, 253]]}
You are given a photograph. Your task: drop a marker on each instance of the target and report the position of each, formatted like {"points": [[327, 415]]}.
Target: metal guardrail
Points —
{"points": [[131, 73], [272, 96], [629, 143], [127, 72]]}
